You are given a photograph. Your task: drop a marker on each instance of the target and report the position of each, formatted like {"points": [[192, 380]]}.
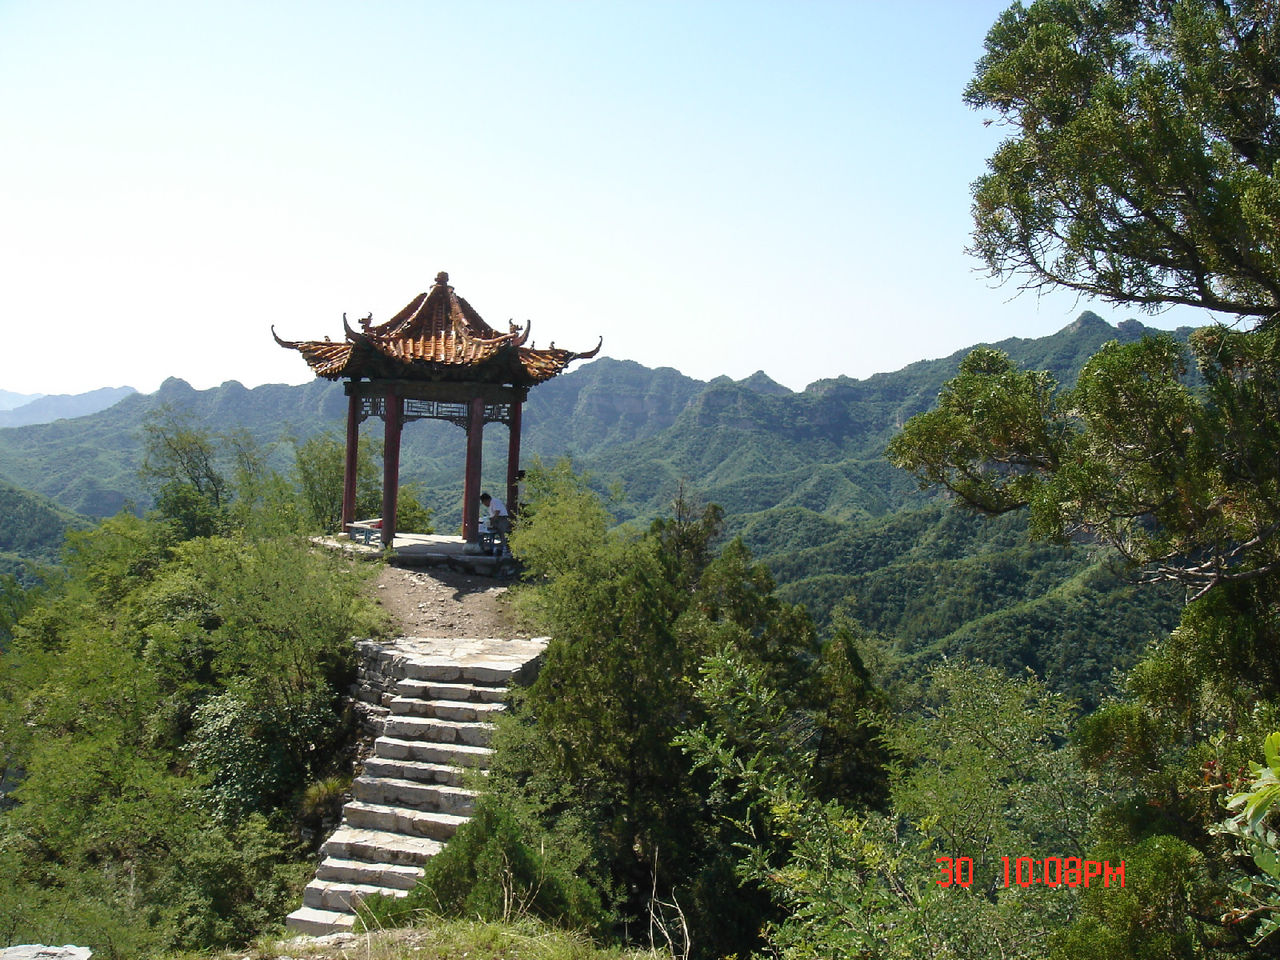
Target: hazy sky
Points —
{"points": [[715, 186]]}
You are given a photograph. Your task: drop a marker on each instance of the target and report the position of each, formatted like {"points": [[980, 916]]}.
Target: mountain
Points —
{"points": [[750, 445], [9, 399], [46, 409], [801, 476], [32, 530]]}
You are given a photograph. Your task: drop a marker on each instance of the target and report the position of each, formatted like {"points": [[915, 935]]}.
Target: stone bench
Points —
{"points": [[365, 530]]}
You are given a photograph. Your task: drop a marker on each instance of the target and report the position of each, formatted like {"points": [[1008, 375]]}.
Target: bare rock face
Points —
{"points": [[38, 951]]}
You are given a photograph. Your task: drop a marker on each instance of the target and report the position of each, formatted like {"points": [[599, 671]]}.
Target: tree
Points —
{"points": [[178, 455], [1142, 165], [162, 706], [1181, 479], [589, 752], [319, 465], [319, 469], [1260, 840], [1142, 170], [982, 771]]}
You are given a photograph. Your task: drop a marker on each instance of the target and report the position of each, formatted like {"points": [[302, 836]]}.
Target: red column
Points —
{"points": [[471, 482], [391, 466], [353, 455], [513, 460]]}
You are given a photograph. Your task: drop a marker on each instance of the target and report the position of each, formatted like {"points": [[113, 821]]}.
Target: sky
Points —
{"points": [[719, 187]]}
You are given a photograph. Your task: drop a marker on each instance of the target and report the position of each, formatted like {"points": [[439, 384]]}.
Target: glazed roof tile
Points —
{"points": [[437, 336]]}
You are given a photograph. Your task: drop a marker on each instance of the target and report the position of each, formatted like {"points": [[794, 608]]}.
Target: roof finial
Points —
{"points": [[442, 278]]}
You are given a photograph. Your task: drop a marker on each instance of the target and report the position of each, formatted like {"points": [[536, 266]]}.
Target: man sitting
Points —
{"points": [[497, 524]]}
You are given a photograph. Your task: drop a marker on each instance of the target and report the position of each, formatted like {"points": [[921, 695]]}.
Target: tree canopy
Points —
{"points": [[1142, 162], [1180, 478], [1142, 170]]}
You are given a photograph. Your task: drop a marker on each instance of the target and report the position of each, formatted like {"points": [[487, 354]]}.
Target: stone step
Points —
{"points": [[337, 895], [428, 690], [497, 673], [415, 823], [440, 731], [354, 843], [437, 797], [426, 751], [435, 698], [396, 876], [316, 923], [416, 770], [444, 709]]}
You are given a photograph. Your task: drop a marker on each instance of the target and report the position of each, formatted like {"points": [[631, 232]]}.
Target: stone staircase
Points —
{"points": [[433, 701]]}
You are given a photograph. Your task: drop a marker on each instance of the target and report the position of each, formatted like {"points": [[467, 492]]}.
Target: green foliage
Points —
{"points": [[255, 752], [33, 526], [563, 521], [1255, 827], [178, 452], [1159, 912], [864, 885], [994, 430], [1141, 162], [490, 871], [117, 556], [411, 515], [319, 468], [193, 513], [984, 771], [15, 601], [1181, 482], [159, 710], [591, 750], [225, 881], [849, 763]]}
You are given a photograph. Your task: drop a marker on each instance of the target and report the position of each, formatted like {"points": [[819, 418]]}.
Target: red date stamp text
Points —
{"points": [[1029, 871]]}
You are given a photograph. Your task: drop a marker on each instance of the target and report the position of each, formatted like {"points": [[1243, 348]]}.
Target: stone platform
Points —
{"points": [[434, 700], [426, 550]]}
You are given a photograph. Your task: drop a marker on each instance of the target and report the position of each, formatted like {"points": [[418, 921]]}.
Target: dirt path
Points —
{"points": [[437, 602]]}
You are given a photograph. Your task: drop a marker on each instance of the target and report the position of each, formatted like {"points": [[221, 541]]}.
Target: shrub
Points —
{"points": [[489, 871]]}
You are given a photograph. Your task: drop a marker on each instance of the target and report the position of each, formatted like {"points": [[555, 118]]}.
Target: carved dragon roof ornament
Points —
{"points": [[437, 336]]}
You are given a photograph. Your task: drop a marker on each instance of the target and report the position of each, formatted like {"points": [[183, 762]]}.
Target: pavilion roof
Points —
{"points": [[437, 336]]}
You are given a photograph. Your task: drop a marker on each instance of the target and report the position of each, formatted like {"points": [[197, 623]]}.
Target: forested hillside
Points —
{"points": [[801, 477], [974, 737], [32, 530], [743, 444]]}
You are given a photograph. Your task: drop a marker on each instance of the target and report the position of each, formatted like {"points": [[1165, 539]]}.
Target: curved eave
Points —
{"points": [[542, 365], [324, 357]]}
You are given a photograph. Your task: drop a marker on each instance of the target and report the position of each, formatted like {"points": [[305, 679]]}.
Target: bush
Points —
{"points": [[488, 871], [255, 750]]}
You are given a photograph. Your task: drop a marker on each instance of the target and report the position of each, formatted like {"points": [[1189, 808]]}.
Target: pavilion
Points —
{"points": [[436, 359]]}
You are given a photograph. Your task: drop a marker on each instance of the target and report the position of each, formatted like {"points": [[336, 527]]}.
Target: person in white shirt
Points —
{"points": [[499, 520]]}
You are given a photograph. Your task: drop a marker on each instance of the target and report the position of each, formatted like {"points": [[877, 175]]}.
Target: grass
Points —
{"points": [[438, 939]]}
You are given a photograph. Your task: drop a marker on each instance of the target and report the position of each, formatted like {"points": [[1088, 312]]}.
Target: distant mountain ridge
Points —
{"points": [[9, 399], [45, 408], [647, 427], [801, 476]]}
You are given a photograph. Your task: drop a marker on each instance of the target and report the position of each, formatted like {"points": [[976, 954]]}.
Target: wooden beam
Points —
{"points": [[446, 390]]}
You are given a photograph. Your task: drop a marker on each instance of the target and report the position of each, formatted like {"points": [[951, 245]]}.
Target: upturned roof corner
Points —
{"points": [[437, 336]]}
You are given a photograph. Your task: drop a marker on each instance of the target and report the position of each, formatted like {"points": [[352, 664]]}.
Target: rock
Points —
{"points": [[38, 951]]}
